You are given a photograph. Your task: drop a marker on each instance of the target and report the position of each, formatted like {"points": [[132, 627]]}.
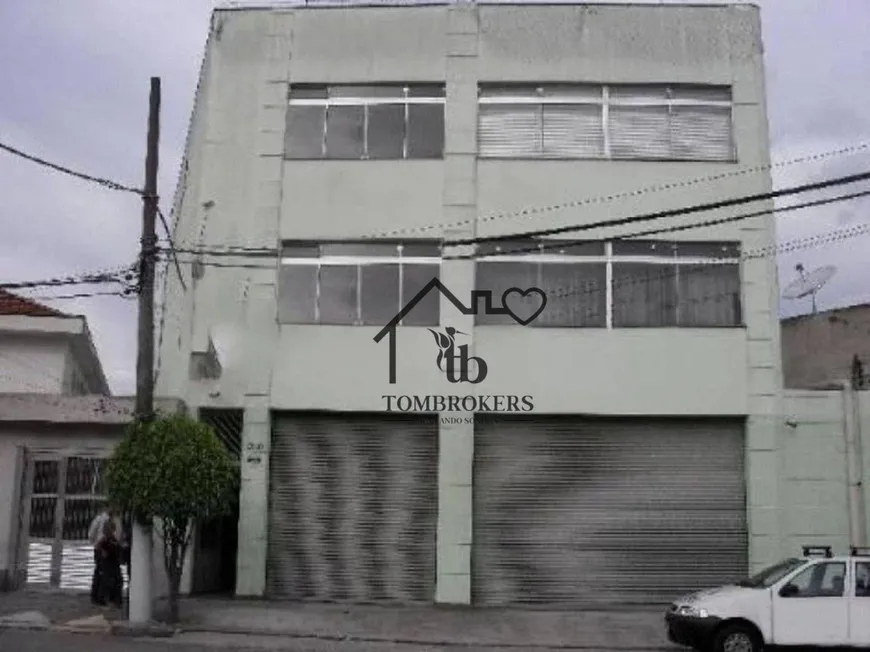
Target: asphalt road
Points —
{"points": [[12, 640]]}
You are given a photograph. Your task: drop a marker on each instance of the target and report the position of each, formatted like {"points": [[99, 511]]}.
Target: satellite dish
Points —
{"points": [[808, 285]]}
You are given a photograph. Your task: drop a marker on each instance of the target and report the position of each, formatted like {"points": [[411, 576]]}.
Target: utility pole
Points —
{"points": [[141, 548]]}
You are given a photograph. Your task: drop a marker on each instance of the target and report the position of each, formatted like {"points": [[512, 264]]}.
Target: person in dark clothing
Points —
{"points": [[111, 581]]}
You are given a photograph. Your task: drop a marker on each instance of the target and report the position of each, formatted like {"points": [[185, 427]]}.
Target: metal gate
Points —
{"points": [[590, 513], [61, 494], [353, 508]]}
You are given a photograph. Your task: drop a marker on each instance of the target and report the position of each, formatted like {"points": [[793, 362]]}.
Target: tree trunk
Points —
{"points": [[175, 569]]}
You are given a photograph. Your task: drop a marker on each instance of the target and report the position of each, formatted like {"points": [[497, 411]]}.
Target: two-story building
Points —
{"points": [[623, 446]]}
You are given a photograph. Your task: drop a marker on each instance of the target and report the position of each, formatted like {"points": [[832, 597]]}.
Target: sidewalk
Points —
{"points": [[431, 625], [449, 626]]}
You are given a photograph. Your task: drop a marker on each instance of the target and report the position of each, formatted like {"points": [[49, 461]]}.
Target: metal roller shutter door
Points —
{"points": [[606, 512], [353, 508]]}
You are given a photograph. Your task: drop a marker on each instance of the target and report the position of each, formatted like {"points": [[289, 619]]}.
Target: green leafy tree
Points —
{"points": [[174, 469]]}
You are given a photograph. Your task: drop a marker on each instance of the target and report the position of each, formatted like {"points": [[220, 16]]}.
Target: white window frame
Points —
{"points": [[359, 262], [609, 259], [405, 100], [605, 101]]}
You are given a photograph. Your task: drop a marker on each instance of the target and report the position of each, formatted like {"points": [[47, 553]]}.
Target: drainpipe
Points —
{"points": [[854, 472]]}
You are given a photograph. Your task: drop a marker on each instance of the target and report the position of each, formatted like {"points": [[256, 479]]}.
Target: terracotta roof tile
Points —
{"points": [[12, 304]]}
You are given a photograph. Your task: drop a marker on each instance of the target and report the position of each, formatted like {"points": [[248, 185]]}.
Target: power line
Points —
{"points": [[594, 286], [107, 183], [166, 228], [674, 212], [242, 252], [119, 275], [537, 210]]}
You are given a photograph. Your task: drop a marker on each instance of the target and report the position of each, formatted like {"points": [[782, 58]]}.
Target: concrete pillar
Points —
{"points": [[253, 498]]}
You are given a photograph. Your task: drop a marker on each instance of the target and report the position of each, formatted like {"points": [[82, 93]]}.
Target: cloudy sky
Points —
{"points": [[75, 90]]}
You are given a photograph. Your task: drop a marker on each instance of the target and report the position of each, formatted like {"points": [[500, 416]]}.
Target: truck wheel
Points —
{"points": [[736, 638]]}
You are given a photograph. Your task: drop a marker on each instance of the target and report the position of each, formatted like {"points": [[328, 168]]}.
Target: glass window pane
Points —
{"points": [[576, 295], [386, 137], [421, 249], [833, 580], [639, 132], [426, 90], [497, 277], [509, 90], [299, 250], [363, 91], [701, 93], [701, 133], [46, 476], [709, 295], [656, 248], [360, 249], [575, 92], [414, 279], [307, 92], [644, 295], [380, 294], [77, 516], [516, 247], [84, 476], [573, 131], [338, 294], [344, 132], [297, 294], [572, 248], [304, 137], [42, 518], [862, 579], [708, 249], [638, 93], [425, 130], [510, 130]]}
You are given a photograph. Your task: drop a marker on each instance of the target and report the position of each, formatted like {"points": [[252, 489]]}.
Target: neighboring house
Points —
{"points": [[45, 351], [630, 443], [819, 349]]}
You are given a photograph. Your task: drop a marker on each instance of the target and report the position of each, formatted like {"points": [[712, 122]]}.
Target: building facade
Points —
{"points": [[820, 350], [43, 350], [624, 446]]}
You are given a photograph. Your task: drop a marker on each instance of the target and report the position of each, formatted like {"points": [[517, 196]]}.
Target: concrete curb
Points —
{"points": [[345, 638], [147, 630]]}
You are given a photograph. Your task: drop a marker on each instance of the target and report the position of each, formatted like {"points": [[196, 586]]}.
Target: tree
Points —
{"points": [[172, 469]]}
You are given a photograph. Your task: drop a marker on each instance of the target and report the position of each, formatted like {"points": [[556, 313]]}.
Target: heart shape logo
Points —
{"points": [[517, 305]]}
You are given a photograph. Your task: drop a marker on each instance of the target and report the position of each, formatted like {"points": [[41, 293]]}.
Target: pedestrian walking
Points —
{"points": [[111, 582], [95, 536]]}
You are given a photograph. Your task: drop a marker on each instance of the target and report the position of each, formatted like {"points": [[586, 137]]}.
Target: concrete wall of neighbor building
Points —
{"points": [[90, 426], [819, 349], [239, 192], [30, 363], [813, 481]]}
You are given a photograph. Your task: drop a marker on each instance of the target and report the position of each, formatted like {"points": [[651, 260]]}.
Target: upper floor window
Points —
{"points": [[584, 121], [621, 284], [388, 121], [360, 284]]}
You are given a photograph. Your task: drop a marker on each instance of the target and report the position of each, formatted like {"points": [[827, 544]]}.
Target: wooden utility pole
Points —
{"points": [[148, 255], [139, 603]]}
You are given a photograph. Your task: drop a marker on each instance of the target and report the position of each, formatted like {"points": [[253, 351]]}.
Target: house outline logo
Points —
{"points": [[481, 301]]}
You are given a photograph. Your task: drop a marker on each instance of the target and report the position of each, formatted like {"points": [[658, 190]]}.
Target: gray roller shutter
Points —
{"points": [[606, 512], [353, 508]]}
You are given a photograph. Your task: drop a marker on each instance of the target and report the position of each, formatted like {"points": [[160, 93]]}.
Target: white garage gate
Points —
{"points": [[606, 512], [353, 508]]}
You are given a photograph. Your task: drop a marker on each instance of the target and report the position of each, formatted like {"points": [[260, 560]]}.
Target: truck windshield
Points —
{"points": [[772, 574]]}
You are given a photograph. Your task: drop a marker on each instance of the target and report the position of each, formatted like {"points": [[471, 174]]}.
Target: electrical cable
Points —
{"points": [[543, 245], [107, 183], [674, 212], [166, 228], [537, 210], [110, 275]]}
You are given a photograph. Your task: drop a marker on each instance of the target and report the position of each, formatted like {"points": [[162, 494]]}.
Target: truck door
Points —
{"points": [[859, 604], [813, 608]]}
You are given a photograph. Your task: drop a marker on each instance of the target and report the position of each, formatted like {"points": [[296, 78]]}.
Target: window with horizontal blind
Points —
{"points": [[386, 122], [584, 121], [358, 284], [620, 284]]}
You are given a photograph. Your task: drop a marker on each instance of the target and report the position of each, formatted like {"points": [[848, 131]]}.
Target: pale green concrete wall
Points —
{"points": [[255, 199]]}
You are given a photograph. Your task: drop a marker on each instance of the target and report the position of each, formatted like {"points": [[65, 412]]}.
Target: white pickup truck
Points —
{"points": [[814, 600]]}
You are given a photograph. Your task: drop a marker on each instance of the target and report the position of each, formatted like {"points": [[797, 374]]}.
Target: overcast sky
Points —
{"points": [[75, 86]]}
